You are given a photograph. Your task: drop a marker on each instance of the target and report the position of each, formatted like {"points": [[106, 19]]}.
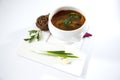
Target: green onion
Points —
{"points": [[67, 22], [73, 15], [61, 54]]}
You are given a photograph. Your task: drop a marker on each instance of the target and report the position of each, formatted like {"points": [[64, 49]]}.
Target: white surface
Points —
{"points": [[16, 16]]}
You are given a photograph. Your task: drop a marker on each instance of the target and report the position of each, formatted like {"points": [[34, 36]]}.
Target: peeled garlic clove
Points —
{"points": [[65, 60]]}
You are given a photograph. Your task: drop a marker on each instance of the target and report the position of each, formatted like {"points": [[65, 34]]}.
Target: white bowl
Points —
{"points": [[71, 35]]}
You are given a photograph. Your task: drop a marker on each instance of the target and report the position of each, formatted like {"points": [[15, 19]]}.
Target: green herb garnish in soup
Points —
{"points": [[68, 20], [74, 15]]}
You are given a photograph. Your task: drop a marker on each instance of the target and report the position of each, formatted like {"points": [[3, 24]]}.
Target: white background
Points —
{"points": [[16, 16]]}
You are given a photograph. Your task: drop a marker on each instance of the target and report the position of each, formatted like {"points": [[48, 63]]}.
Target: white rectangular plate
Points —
{"points": [[34, 51]]}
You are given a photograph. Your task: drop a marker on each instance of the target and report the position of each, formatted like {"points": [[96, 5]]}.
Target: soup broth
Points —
{"points": [[68, 20]]}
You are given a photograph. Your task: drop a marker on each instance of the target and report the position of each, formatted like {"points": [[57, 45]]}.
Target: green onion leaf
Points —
{"points": [[67, 22], [61, 54], [73, 15]]}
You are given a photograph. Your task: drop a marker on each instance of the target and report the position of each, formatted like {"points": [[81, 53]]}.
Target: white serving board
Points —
{"points": [[33, 51]]}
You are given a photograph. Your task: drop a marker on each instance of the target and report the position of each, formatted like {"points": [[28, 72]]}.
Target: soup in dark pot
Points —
{"points": [[68, 20]]}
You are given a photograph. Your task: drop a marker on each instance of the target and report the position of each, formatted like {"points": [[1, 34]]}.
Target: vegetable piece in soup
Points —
{"points": [[68, 20]]}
